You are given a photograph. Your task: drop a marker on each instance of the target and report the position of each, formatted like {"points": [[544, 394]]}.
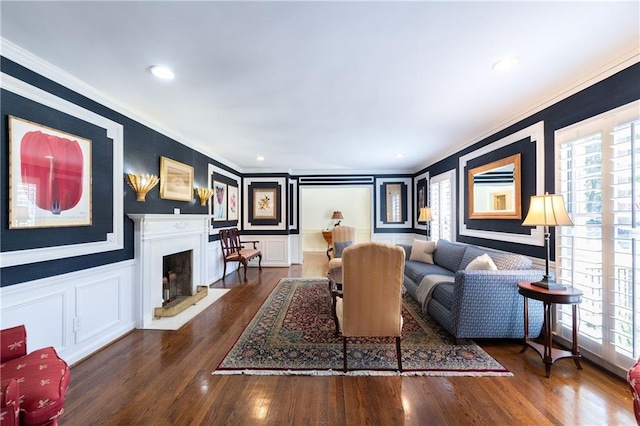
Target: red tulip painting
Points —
{"points": [[50, 177], [54, 166]]}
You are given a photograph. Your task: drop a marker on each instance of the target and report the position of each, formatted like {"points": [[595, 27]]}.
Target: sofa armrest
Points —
{"points": [[10, 401], [407, 250], [480, 296], [13, 343]]}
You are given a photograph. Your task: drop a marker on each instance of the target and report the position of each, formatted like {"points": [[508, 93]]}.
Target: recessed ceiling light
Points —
{"points": [[260, 158], [162, 72], [506, 64], [399, 155]]}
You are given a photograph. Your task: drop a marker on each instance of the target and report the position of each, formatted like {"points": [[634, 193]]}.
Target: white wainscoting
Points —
{"points": [[274, 248], [76, 313], [396, 238]]}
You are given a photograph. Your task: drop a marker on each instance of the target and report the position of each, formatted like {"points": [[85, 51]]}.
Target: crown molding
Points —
{"points": [[27, 59], [605, 71]]}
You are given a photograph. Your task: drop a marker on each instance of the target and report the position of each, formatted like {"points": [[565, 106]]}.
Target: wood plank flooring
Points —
{"points": [[153, 377]]}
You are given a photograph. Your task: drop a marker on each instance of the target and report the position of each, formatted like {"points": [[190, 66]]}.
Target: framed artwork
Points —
{"points": [[264, 203], [232, 202], [49, 177], [176, 180], [219, 201]]}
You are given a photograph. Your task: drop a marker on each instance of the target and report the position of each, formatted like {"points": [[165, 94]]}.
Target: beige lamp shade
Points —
{"points": [[425, 215], [337, 215], [547, 210]]}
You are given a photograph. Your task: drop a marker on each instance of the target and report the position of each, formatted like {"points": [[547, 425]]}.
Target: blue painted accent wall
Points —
{"points": [[143, 148], [615, 91]]}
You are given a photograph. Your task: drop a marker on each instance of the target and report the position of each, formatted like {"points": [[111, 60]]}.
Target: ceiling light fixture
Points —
{"points": [[260, 158], [162, 72], [506, 64], [399, 155]]}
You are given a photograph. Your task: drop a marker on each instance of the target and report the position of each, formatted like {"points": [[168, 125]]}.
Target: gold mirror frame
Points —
{"points": [[499, 198]]}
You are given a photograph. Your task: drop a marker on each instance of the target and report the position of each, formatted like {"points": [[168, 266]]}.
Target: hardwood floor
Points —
{"points": [[164, 378]]}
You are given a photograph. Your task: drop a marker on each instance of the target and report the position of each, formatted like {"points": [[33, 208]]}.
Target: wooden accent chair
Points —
{"points": [[34, 385], [233, 250], [371, 301]]}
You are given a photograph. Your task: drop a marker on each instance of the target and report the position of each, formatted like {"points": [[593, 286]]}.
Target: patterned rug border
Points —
{"points": [[338, 372]]}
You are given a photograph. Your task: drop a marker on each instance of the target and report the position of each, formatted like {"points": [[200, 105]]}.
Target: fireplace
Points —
{"points": [[176, 277], [159, 237]]}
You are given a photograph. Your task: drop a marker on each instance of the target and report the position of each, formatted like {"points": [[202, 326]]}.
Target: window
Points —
{"points": [[598, 172], [442, 208]]}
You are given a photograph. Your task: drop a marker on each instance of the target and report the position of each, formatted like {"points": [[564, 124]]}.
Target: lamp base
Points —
{"points": [[549, 283]]}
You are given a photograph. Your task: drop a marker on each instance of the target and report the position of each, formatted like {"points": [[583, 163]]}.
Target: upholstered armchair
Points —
{"points": [[342, 237], [633, 379], [33, 385], [371, 301]]}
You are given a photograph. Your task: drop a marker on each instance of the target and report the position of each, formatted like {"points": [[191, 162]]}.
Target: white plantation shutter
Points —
{"points": [[598, 172], [442, 214]]}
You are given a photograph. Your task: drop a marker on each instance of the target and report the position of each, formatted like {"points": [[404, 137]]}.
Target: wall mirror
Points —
{"points": [[494, 190], [394, 203]]}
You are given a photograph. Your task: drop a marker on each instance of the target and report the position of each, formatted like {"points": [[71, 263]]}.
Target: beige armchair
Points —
{"points": [[340, 234], [370, 303]]}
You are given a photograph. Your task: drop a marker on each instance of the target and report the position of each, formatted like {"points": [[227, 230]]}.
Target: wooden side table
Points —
{"points": [[568, 296], [328, 237]]}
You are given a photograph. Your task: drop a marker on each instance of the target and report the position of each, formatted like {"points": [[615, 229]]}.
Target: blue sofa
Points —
{"points": [[474, 304]]}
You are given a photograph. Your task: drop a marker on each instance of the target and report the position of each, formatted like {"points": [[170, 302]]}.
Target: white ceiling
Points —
{"points": [[335, 87]]}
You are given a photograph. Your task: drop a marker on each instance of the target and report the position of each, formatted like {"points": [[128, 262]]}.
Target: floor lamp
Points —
{"points": [[547, 210], [425, 216]]}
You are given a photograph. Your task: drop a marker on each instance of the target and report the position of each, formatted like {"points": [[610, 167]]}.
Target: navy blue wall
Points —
{"points": [[143, 148], [615, 91]]}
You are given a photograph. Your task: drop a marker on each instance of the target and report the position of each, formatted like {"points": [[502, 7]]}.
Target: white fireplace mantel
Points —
{"points": [[158, 235]]}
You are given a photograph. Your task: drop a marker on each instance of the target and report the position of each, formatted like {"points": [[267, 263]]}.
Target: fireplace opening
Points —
{"points": [[177, 277]]}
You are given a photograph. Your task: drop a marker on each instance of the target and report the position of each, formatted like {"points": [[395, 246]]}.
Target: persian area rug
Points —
{"points": [[293, 334]]}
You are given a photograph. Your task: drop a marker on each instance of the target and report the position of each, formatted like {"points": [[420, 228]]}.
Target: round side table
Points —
{"points": [[568, 296]]}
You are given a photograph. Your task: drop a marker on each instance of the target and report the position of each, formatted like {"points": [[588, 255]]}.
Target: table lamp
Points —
{"points": [[547, 210], [337, 215], [425, 216]]}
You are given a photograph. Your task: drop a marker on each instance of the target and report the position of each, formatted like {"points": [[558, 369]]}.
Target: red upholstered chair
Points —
{"points": [[633, 378], [33, 385]]}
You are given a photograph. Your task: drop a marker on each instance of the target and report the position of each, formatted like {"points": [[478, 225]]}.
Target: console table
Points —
{"points": [[567, 296]]}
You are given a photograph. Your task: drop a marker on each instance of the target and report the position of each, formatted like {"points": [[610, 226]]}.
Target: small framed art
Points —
{"points": [[176, 180], [264, 203], [232, 202], [219, 201]]}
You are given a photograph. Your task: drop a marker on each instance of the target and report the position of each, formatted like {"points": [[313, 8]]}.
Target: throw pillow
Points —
{"points": [[339, 246], [483, 262], [422, 251]]}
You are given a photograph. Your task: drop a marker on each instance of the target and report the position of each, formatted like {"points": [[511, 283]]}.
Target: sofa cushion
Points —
{"points": [[443, 293], [418, 270], [504, 261], [422, 251], [482, 262], [449, 255]]}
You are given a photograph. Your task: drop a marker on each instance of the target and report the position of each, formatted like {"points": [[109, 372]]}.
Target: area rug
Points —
{"points": [[177, 321], [293, 334]]}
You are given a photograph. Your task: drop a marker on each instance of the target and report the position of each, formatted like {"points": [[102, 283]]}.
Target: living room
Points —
{"points": [[76, 285]]}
